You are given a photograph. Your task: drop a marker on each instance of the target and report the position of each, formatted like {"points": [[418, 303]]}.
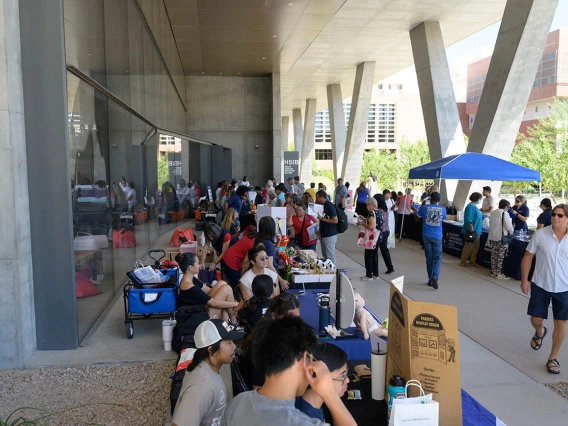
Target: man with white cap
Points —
{"points": [[203, 395]]}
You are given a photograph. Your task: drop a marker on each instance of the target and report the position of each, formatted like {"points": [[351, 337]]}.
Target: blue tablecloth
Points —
{"points": [[453, 243], [357, 348]]}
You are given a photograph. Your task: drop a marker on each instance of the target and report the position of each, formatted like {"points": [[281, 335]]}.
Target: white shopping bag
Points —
{"points": [[419, 411]]}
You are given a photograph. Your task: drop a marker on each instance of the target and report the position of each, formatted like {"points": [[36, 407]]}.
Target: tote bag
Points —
{"points": [[368, 238], [419, 411]]}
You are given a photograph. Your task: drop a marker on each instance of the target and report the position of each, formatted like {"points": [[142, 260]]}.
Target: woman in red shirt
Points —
{"points": [[235, 262], [302, 222]]}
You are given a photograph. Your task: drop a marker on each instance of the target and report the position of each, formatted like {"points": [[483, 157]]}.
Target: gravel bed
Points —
{"points": [[125, 394], [560, 388]]}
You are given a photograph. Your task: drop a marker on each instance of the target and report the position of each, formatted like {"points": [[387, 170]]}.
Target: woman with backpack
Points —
{"points": [[384, 224]]}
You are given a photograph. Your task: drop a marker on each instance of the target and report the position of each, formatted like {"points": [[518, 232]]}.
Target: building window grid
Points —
{"points": [[324, 154]]}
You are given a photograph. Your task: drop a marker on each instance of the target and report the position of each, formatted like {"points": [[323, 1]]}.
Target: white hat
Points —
{"points": [[214, 330], [269, 184]]}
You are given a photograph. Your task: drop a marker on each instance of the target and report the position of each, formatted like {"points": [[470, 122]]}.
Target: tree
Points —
{"points": [[163, 169], [545, 149], [383, 164], [412, 154]]}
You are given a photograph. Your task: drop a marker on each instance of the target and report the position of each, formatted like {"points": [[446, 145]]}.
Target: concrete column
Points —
{"points": [[356, 135], [285, 130], [441, 118], [338, 130], [307, 153], [277, 153], [17, 318], [522, 36], [298, 129]]}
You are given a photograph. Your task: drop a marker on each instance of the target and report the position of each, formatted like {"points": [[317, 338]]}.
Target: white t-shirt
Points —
{"points": [[245, 183], [551, 269], [248, 276], [486, 203]]}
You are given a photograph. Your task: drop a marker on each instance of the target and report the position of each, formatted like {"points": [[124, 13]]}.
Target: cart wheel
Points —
{"points": [[129, 329]]}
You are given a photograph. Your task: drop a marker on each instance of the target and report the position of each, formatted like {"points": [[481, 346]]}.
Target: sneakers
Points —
{"points": [[234, 327], [389, 271], [366, 278], [376, 277], [434, 283], [502, 277], [492, 274]]}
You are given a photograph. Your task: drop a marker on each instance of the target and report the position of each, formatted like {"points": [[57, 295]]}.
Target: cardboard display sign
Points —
{"points": [[423, 345]]}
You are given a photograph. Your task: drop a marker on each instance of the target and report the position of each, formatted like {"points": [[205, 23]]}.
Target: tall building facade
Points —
{"points": [[395, 115], [551, 81]]}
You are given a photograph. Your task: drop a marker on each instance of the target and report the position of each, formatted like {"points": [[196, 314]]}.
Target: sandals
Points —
{"points": [[553, 366], [536, 337]]}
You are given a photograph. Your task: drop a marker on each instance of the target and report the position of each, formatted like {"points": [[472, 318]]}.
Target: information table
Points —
{"points": [[453, 243], [312, 281], [357, 348]]}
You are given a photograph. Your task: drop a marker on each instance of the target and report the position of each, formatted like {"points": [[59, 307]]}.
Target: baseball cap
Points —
{"points": [[435, 196], [214, 330]]}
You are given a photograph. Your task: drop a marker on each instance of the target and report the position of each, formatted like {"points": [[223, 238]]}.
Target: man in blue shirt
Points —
{"points": [[544, 219], [340, 194], [432, 216], [236, 200]]}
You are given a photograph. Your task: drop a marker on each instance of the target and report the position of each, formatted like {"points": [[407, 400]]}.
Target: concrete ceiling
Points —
{"points": [[313, 43]]}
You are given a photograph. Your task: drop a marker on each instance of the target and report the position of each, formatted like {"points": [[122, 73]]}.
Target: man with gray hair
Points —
{"points": [[549, 282], [291, 187]]}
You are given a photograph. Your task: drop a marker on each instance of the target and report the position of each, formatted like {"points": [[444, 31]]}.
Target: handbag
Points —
{"points": [[181, 236], [470, 236], [121, 238], [368, 238], [89, 242], [505, 239], [291, 231], [298, 238], [419, 411]]}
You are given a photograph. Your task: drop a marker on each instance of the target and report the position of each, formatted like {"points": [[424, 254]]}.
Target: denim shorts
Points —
{"points": [[540, 300]]}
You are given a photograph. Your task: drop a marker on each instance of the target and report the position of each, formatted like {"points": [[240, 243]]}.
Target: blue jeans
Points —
{"points": [[433, 252], [328, 248]]}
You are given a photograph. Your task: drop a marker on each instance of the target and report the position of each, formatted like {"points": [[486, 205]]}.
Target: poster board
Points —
{"points": [[423, 345], [277, 213], [291, 164]]}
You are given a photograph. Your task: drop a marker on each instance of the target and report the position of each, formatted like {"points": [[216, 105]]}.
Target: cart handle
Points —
{"points": [[157, 261]]}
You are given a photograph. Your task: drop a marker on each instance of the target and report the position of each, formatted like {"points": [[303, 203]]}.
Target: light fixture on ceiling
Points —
{"points": [[263, 57], [220, 73], [274, 36], [202, 72], [238, 73], [290, 4]]}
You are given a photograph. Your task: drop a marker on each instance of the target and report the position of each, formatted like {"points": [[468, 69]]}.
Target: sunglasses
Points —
{"points": [[263, 258], [560, 215]]}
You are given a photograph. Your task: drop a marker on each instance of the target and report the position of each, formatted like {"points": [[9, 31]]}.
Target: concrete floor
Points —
{"points": [[498, 367]]}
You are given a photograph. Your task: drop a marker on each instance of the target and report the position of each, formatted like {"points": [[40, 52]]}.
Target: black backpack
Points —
{"points": [[342, 223], [188, 318]]}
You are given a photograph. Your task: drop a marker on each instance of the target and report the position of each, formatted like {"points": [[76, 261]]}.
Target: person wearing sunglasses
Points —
{"points": [[282, 351], [520, 213], [549, 282], [310, 403], [259, 260]]}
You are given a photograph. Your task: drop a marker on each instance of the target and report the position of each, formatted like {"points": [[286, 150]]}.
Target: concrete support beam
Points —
{"points": [[508, 84], [441, 118], [285, 130], [338, 129], [277, 152], [357, 132], [17, 319], [307, 153], [298, 129]]}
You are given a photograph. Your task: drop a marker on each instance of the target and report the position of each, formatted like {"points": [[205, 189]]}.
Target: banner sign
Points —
{"points": [[291, 164]]}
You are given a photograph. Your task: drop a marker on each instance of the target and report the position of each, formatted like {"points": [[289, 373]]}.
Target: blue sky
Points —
{"points": [[486, 38]]}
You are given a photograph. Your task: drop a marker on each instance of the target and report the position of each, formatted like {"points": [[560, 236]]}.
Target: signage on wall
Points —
{"points": [[174, 167], [291, 164]]}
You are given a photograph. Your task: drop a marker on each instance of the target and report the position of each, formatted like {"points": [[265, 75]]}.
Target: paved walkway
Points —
{"points": [[498, 367]]}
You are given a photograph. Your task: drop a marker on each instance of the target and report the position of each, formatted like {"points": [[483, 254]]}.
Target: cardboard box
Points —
{"points": [[423, 345]]}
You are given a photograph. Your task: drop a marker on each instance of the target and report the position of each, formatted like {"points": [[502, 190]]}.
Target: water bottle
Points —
{"points": [[324, 314], [396, 390]]}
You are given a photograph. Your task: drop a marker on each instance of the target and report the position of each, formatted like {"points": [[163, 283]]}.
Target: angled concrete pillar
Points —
{"points": [[298, 129], [357, 132], [285, 129], [278, 155], [508, 84], [338, 129], [441, 118], [307, 153]]}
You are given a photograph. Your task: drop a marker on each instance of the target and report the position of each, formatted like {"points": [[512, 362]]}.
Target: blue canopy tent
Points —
{"points": [[474, 166]]}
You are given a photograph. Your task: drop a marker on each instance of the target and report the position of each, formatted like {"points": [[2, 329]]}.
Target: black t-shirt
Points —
{"points": [[193, 296], [329, 212], [259, 199], [252, 318], [544, 218]]}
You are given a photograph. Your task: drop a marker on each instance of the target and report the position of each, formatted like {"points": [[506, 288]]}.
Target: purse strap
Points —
{"points": [[502, 224], [302, 229]]}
